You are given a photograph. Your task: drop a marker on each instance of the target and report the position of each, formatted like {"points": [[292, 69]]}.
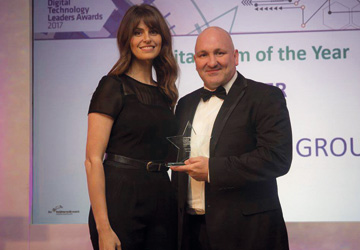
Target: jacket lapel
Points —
{"points": [[232, 99], [191, 107]]}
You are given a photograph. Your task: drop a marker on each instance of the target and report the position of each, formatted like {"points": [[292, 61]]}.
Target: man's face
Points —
{"points": [[215, 57]]}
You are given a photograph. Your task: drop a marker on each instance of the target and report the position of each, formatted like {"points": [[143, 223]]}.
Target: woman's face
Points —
{"points": [[145, 42]]}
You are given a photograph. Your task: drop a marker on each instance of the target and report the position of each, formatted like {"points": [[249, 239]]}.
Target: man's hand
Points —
{"points": [[196, 167]]}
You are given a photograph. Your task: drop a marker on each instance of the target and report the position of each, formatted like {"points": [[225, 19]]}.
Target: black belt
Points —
{"points": [[150, 166]]}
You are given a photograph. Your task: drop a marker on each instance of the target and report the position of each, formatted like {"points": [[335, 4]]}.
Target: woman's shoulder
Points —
{"points": [[113, 83], [111, 79]]}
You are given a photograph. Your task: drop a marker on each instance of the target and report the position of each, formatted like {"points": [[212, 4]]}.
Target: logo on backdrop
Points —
{"points": [[87, 19], [325, 147], [73, 19], [58, 210]]}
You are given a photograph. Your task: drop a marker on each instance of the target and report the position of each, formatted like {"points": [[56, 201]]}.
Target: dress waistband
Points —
{"points": [[150, 166]]}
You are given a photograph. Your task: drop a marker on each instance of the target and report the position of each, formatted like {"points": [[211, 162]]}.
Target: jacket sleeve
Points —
{"points": [[272, 155]]}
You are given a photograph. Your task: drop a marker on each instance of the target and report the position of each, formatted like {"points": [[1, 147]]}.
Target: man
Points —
{"points": [[227, 190]]}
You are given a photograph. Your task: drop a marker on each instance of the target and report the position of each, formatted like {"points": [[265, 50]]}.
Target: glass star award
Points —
{"points": [[182, 144]]}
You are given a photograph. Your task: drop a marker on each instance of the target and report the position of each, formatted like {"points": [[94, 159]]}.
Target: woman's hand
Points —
{"points": [[108, 240]]}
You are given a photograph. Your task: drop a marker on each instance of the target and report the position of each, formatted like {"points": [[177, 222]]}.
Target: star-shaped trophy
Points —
{"points": [[183, 145]]}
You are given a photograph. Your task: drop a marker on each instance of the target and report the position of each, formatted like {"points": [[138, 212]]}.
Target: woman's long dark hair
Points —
{"points": [[165, 65]]}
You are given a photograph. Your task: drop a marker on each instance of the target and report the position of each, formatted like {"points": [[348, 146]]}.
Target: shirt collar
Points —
{"points": [[227, 86]]}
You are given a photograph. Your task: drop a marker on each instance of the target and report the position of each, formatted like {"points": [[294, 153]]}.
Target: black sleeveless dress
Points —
{"points": [[141, 204]]}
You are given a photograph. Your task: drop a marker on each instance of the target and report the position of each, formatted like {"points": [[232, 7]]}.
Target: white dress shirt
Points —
{"points": [[203, 123]]}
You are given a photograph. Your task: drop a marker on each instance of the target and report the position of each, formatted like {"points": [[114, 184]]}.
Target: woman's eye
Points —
{"points": [[137, 33], [153, 32]]}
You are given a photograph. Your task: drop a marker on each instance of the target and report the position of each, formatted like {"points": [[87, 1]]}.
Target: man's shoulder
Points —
{"points": [[191, 95], [257, 84], [260, 87]]}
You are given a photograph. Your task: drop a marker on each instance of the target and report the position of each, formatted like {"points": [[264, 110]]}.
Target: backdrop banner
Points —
{"points": [[308, 49]]}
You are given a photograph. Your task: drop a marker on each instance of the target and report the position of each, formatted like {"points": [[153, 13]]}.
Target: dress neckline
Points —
{"points": [[154, 86]]}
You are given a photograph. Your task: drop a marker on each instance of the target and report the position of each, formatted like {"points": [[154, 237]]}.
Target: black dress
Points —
{"points": [[141, 205]]}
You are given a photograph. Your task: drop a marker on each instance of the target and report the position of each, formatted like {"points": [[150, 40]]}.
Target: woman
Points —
{"points": [[130, 116]]}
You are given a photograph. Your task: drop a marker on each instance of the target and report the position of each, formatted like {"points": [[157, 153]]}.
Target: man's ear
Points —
{"points": [[236, 57]]}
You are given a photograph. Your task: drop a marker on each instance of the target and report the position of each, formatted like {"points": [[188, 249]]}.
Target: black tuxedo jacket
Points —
{"points": [[250, 146]]}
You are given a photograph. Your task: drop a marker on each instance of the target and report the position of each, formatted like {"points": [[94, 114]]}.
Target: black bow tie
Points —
{"points": [[219, 92]]}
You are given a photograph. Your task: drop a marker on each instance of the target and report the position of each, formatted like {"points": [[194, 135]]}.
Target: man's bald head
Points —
{"points": [[212, 31], [215, 57]]}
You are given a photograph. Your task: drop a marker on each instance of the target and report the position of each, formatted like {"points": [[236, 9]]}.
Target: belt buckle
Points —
{"points": [[148, 165], [151, 163]]}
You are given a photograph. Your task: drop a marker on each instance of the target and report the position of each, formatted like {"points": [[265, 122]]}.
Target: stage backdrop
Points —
{"points": [[309, 49]]}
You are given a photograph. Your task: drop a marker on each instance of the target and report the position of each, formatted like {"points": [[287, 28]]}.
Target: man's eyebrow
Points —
{"points": [[214, 51], [218, 49], [201, 51]]}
